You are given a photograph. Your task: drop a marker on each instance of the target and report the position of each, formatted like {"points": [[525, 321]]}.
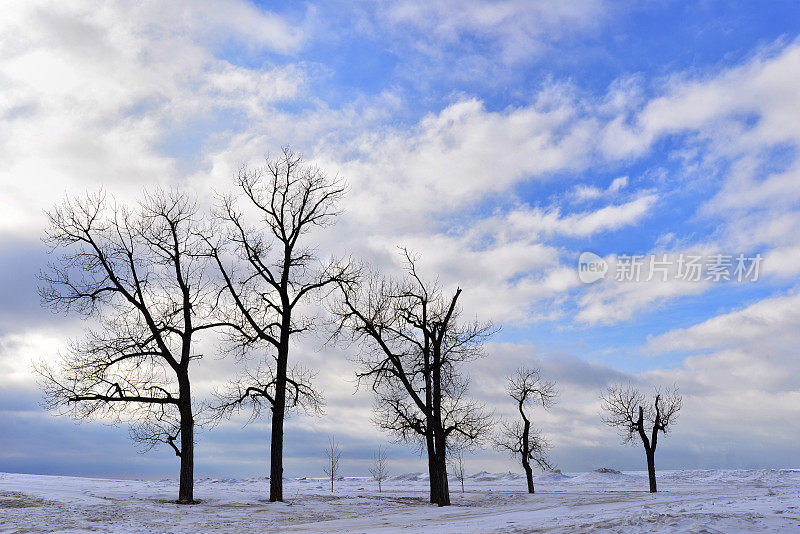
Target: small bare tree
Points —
{"points": [[135, 269], [626, 410], [457, 466], [334, 455], [520, 438], [269, 275], [380, 467]]}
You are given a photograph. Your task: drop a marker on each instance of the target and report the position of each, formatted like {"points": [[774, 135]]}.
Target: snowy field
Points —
{"points": [[688, 501]]}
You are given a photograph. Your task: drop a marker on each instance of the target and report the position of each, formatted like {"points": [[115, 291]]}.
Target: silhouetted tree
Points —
{"points": [[520, 438], [380, 467], [413, 348], [269, 274], [627, 411], [334, 455], [135, 270]]}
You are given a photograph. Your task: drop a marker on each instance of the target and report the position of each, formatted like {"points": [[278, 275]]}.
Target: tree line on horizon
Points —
{"points": [[158, 274]]}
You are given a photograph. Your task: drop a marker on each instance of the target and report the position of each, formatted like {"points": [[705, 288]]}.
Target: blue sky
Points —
{"points": [[497, 139]]}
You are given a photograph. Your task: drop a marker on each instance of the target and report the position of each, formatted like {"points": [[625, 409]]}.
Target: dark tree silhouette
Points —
{"points": [[136, 271], [520, 438], [269, 275], [413, 346], [626, 410], [380, 468]]}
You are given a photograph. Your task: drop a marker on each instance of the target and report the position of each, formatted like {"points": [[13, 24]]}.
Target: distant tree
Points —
{"points": [[136, 270], [626, 410], [520, 438], [457, 466], [413, 349], [380, 467], [334, 455], [269, 274]]}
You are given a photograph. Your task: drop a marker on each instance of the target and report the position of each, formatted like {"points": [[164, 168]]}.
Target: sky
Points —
{"points": [[497, 140]]}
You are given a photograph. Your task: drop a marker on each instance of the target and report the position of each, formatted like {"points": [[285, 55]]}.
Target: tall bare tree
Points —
{"points": [[380, 467], [269, 275], [520, 438], [626, 409], [334, 455], [134, 269], [413, 346]]}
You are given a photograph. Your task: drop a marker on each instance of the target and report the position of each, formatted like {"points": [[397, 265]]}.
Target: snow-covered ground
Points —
{"points": [[688, 501]]}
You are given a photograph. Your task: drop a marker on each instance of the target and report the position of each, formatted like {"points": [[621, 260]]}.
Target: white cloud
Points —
{"points": [[538, 223], [520, 28], [736, 127], [740, 116], [585, 193], [762, 326], [94, 91], [456, 157]]}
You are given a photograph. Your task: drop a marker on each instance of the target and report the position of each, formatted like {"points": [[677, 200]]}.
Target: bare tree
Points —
{"points": [[520, 438], [334, 455], [457, 466], [380, 467], [412, 349], [626, 410], [269, 275], [134, 269]]}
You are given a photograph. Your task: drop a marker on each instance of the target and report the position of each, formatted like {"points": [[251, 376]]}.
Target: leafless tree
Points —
{"points": [[269, 275], [520, 438], [334, 455], [413, 346], [380, 467], [135, 271], [457, 466], [627, 410]]}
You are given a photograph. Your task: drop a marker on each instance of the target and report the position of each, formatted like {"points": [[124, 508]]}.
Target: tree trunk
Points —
{"points": [[526, 451], [439, 437], [276, 448], [528, 475], [432, 476], [441, 466], [443, 485], [651, 470], [186, 478]]}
